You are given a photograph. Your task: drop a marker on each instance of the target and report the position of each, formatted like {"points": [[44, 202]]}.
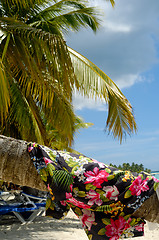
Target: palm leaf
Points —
{"points": [[38, 64], [59, 139], [4, 93], [19, 6], [94, 82], [49, 51], [62, 180], [76, 19], [38, 125], [112, 2], [58, 16], [60, 115], [104, 208], [22, 115]]}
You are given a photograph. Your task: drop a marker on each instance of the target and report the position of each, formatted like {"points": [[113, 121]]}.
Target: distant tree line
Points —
{"points": [[134, 167]]}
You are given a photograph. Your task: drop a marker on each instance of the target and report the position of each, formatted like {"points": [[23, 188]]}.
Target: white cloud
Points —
{"points": [[110, 26], [124, 48], [128, 80], [125, 81], [80, 102]]}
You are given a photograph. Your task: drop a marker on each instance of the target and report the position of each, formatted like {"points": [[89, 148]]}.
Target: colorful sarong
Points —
{"points": [[103, 197]]}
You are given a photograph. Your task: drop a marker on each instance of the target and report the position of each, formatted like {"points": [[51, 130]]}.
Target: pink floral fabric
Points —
{"points": [[87, 218], [139, 186], [94, 198], [104, 198], [117, 227], [96, 177]]}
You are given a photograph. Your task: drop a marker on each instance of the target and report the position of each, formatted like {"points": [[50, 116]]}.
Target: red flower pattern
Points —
{"points": [[138, 186], [116, 228], [96, 177]]}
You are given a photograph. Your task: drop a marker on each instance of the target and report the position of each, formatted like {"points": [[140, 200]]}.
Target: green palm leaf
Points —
{"points": [[58, 16], [37, 66], [104, 208], [22, 119], [112, 2], [94, 82], [4, 93], [62, 180], [50, 52]]}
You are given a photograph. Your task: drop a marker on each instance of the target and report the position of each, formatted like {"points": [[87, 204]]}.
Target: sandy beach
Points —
{"points": [[44, 228]]}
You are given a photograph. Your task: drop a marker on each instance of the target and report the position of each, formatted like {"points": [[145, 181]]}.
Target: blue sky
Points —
{"points": [[126, 48]]}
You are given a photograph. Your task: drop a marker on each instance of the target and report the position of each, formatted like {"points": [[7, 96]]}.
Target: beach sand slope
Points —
{"points": [[44, 228]]}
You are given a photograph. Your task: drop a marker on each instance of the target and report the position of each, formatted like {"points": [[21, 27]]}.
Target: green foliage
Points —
{"points": [[133, 167], [128, 194], [38, 73], [120, 115], [102, 231], [62, 180]]}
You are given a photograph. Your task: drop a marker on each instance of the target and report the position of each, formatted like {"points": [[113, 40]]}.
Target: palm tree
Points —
{"points": [[38, 72]]}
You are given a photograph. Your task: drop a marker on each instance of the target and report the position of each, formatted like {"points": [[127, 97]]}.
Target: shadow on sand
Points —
{"points": [[42, 228]]}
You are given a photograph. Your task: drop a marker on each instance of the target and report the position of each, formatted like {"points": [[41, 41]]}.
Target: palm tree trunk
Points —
{"points": [[16, 165]]}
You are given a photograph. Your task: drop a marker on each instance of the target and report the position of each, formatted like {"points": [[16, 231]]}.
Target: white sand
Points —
{"points": [[44, 228]]}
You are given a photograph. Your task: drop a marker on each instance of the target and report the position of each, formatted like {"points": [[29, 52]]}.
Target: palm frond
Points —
{"points": [[60, 115], [62, 180], [94, 82], [37, 63], [76, 19], [4, 93], [65, 15], [38, 125], [49, 51], [19, 8], [17, 122], [43, 71], [104, 208], [23, 115], [112, 2], [81, 124], [59, 139]]}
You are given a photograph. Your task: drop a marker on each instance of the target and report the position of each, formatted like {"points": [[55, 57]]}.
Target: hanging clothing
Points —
{"points": [[103, 197]]}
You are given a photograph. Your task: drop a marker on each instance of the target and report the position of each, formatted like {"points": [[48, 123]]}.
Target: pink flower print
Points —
{"points": [[30, 148], [96, 177], [47, 160], [71, 187], [138, 186], [155, 179], [87, 218], [68, 195], [63, 203], [116, 228], [111, 192], [140, 227], [94, 198], [77, 203]]}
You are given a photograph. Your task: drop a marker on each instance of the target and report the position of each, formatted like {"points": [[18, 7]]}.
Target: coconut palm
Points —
{"points": [[38, 72]]}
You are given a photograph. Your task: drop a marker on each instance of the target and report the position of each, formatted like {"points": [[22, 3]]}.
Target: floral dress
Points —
{"points": [[103, 197]]}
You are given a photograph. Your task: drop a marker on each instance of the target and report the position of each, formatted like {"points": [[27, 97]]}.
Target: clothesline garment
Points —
{"points": [[103, 197]]}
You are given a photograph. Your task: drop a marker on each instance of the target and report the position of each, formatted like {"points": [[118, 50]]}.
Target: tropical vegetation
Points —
{"points": [[39, 72], [133, 167]]}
